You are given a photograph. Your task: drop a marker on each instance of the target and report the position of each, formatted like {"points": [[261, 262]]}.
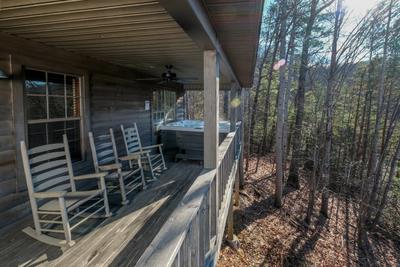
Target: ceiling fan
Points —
{"points": [[168, 77]]}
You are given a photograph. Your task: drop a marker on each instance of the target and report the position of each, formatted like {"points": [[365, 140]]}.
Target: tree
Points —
{"points": [[329, 109], [281, 108], [293, 179]]}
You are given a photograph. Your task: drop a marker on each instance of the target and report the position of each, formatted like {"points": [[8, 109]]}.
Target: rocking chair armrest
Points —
{"points": [[153, 146], [90, 176], [54, 194], [110, 167], [132, 156]]}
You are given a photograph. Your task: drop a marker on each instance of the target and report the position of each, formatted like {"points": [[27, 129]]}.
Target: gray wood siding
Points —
{"points": [[115, 101]]}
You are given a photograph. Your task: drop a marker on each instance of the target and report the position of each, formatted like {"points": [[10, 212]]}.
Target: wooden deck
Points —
{"points": [[119, 240]]}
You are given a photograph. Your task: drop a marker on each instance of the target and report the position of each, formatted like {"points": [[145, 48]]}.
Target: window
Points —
{"points": [[53, 108], [164, 106]]}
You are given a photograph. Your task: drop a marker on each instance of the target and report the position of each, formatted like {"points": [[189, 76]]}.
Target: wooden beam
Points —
{"points": [[211, 108]]}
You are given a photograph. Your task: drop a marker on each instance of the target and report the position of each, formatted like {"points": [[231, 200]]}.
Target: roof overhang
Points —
{"points": [[143, 34]]}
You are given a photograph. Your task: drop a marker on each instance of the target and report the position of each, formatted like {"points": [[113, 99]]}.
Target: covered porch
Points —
{"points": [[119, 239], [115, 53], [183, 204]]}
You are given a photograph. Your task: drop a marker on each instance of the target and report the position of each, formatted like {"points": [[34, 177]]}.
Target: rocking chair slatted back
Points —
{"points": [[48, 170], [47, 167], [132, 139], [104, 149]]}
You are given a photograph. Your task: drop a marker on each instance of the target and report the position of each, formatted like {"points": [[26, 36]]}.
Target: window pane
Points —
{"points": [[73, 107], [35, 82], [55, 82], [56, 107], [73, 130], [36, 107], [73, 86], [74, 139], [37, 135], [56, 130]]}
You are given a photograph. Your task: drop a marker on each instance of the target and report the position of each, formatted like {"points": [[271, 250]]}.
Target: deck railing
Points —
{"points": [[193, 234]]}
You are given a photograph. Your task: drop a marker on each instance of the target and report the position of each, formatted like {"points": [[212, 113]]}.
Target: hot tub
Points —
{"points": [[193, 126], [184, 139]]}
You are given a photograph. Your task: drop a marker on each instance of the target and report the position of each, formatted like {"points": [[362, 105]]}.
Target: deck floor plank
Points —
{"points": [[116, 241]]}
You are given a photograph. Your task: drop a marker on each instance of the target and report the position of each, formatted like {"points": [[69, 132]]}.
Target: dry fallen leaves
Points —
{"points": [[271, 237]]}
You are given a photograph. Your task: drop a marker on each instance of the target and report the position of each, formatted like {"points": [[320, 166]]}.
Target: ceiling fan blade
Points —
{"points": [[189, 78], [148, 79]]}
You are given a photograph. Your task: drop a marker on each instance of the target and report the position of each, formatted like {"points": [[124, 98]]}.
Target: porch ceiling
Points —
{"points": [[134, 33], [139, 34]]}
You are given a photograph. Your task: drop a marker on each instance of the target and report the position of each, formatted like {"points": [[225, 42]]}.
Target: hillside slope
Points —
{"points": [[279, 237]]}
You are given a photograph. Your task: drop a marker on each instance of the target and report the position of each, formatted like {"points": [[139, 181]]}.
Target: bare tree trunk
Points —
{"points": [[329, 111], [392, 173], [293, 178], [267, 97], [253, 116], [361, 133], [367, 107], [356, 120], [312, 187], [378, 121], [279, 151], [290, 60], [385, 120], [226, 104]]}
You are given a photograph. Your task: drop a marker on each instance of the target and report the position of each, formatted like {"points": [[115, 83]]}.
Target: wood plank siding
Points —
{"points": [[116, 101], [112, 96], [9, 197]]}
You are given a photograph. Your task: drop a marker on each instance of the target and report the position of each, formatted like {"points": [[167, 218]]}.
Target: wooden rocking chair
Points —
{"points": [[153, 155], [105, 158], [56, 203]]}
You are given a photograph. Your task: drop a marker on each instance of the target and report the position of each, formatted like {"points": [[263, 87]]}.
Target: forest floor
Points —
{"points": [[279, 237]]}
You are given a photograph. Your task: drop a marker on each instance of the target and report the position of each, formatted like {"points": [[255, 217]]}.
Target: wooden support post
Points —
{"points": [[211, 107], [241, 168], [229, 226]]}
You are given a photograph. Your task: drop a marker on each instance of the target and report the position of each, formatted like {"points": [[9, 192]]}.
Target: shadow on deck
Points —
{"points": [[118, 240]]}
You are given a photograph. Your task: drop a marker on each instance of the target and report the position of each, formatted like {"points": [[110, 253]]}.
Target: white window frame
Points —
{"points": [[66, 118]]}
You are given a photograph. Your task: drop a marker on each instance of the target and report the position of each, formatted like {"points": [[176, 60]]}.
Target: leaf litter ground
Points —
{"points": [[279, 237]]}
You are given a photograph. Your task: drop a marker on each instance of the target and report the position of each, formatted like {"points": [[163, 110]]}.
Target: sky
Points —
{"points": [[356, 10], [359, 7]]}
